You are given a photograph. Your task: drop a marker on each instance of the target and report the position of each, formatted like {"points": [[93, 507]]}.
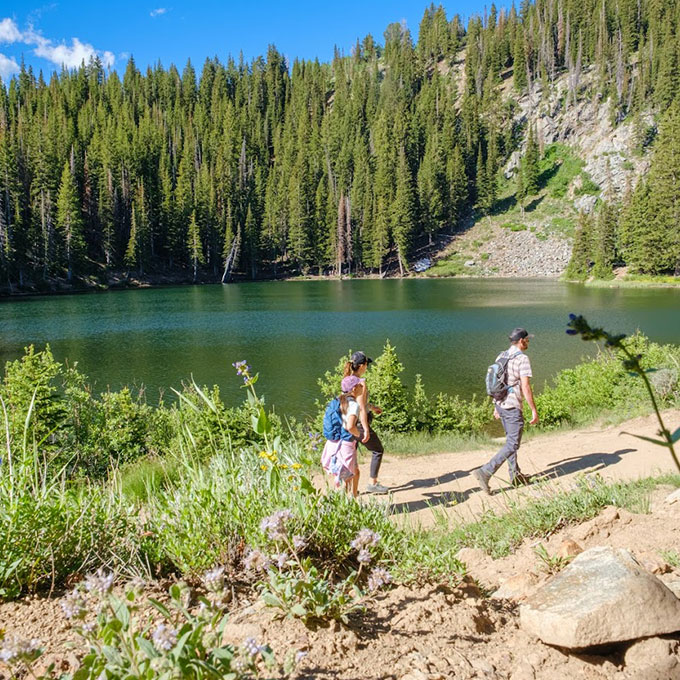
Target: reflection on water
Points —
{"points": [[291, 332]]}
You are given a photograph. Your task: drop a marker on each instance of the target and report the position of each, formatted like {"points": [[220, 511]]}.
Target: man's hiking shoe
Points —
{"points": [[483, 480], [521, 479], [376, 488]]}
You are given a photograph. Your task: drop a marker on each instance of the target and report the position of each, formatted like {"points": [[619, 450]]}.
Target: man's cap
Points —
{"points": [[519, 333], [349, 382], [359, 358]]}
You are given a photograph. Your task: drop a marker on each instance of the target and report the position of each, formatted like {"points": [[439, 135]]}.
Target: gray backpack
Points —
{"points": [[497, 378]]}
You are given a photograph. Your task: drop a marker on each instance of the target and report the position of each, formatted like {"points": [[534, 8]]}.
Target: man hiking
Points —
{"points": [[509, 410]]}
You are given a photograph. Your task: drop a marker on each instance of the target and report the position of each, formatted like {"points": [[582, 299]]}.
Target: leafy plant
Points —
{"points": [[299, 589], [552, 564], [633, 363], [139, 638]]}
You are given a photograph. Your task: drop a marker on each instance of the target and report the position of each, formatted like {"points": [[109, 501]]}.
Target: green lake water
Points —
{"points": [[291, 332]]}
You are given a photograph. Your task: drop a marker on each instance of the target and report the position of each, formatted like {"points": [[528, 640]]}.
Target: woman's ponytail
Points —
{"points": [[348, 370]]}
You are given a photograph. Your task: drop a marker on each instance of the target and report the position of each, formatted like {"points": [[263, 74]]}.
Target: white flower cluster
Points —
{"points": [[275, 525], [99, 583], [365, 539], [251, 647], [164, 638], [15, 649], [213, 580], [74, 606], [378, 578], [256, 561]]}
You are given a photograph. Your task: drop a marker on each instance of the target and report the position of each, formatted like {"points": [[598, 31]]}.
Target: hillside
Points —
{"points": [[586, 157]]}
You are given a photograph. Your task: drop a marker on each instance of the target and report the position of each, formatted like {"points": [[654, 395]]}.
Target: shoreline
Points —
{"points": [[61, 288]]}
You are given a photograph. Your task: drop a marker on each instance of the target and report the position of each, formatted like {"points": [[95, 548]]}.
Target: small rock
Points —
{"points": [[414, 674], [482, 665], [674, 587], [523, 672], [653, 658], [673, 497], [517, 587], [603, 596], [569, 548], [655, 564]]}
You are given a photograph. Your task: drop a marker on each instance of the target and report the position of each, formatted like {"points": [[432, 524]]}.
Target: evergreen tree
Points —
{"points": [[604, 246], [403, 212], [69, 220], [195, 248], [578, 268]]}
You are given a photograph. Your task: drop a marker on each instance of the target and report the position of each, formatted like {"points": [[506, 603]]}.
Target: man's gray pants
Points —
{"points": [[513, 424]]}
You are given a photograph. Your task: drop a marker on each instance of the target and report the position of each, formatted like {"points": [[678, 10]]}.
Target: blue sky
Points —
{"points": [[48, 35]]}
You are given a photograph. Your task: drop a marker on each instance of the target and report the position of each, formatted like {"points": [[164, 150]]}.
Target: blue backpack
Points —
{"points": [[332, 423]]}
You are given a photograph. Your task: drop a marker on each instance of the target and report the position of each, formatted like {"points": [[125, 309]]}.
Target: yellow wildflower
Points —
{"points": [[296, 466], [263, 467]]}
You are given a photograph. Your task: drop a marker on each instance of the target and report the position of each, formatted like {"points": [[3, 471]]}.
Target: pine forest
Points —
{"points": [[268, 169]]}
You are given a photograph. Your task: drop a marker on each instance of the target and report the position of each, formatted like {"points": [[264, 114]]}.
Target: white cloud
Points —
{"points": [[7, 66], [9, 32], [157, 12], [60, 54]]}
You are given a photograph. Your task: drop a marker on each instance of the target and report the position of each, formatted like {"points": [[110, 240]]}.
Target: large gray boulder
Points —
{"points": [[603, 596]]}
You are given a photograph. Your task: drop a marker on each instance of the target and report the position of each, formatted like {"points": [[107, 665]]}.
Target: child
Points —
{"points": [[339, 457]]}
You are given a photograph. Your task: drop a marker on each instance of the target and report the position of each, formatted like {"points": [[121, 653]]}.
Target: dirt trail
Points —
{"points": [[444, 481], [437, 633]]}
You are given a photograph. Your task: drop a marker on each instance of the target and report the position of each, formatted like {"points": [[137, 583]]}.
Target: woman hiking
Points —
{"points": [[339, 457], [356, 367]]}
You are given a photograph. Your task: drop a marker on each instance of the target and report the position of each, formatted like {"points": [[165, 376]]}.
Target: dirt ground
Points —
{"points": [[437, 632]]}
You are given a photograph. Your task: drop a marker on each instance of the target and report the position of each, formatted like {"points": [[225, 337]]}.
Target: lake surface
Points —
{"points": [[291, 332]]}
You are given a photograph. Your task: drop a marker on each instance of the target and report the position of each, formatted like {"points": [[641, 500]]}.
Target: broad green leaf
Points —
{"points": [[160, 607], [271, 600], [675, 436], [298, 610], [147, 647]]}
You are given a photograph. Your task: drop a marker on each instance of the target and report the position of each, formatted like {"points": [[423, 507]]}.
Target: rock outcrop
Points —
{"points": [[603, 596]]}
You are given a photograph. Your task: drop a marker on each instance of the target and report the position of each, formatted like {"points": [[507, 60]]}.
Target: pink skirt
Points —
{"points": [[339, 459]]}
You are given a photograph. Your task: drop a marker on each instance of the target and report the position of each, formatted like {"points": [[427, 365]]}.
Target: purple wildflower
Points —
{"points": [[378, 578]]}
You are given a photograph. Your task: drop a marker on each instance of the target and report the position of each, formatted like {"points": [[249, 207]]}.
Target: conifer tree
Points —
{"points": [[578, 268], [69, 220], [604, 245], [403, 212], [195, 248]]}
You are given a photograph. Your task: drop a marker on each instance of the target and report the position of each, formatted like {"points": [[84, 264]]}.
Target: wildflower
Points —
{"points": [[100, 582], [299, 543], [275, 525], [263, 466], [296, 466], [17, 649], [213, 580], [241, 367], [283, 466], [239, 665], [364, 539], [314, 440], [378, 578], [256, 560], [89, 627], [164, 638], [299, 655], [73, 606], [251, 647], [364, 556], [280, 560]]}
